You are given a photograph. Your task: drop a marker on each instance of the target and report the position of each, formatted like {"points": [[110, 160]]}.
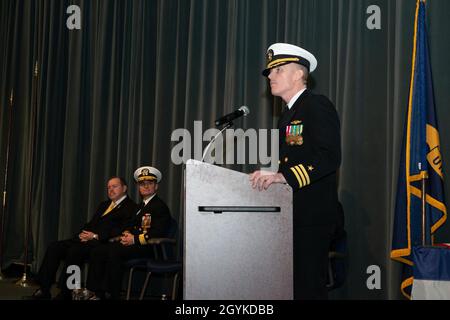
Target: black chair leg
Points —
{"points": [[330, 283], [144, 288], [130, 278], [175, 286]]}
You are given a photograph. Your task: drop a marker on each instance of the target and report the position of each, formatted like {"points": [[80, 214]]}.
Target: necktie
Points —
{"points": [[285, 117], [111, 206], [141, 206]]}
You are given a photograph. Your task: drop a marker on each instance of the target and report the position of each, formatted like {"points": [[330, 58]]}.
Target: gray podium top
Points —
{"points": [[237, 240]]}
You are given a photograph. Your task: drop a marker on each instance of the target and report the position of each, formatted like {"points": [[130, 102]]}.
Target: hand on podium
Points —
{"points": [[263, 179]]}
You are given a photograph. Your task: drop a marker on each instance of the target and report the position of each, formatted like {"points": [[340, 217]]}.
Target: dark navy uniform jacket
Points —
{"points": [[160, 221], [310, 155]]}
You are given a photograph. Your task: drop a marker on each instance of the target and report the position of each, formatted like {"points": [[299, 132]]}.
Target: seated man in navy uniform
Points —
{"points": [[108, 221], [310, 156], [152, 220]]}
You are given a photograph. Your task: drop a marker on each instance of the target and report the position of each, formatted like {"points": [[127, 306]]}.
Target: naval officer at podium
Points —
{"points": [[309, 157]]}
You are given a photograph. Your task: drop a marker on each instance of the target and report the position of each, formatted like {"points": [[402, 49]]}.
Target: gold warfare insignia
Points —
{"points": [[269, 55], [294, 133]]}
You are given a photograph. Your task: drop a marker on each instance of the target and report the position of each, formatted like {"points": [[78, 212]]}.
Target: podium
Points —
{"points": [[237, 240]]}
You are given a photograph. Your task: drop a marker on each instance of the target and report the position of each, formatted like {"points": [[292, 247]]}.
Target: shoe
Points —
{"points": [[77, 294], [84, 294], [39, 294], [63, 296], [94, 297]]}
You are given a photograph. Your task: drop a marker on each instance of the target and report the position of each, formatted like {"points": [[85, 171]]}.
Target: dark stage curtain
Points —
{"points": [[109, 96]]}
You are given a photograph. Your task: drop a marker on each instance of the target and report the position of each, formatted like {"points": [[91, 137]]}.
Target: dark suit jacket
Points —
{"points": [[311, 162], [112, 224], [160, 221]]}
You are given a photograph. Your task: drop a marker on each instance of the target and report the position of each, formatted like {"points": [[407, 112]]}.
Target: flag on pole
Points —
{"points": [[431, 273], [420, 159]]}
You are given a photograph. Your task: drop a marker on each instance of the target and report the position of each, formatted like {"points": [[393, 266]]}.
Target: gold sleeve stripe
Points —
{"points": [[308, 181], [298, 178], [142, 239], [302, 176]]}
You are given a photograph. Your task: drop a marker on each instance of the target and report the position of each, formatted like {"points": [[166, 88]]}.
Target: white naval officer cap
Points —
{"points": [[279, 54], [147, 173]]}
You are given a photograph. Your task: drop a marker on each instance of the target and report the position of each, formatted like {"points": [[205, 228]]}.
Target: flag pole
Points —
{"points": [[5, 181], [423, 177], [24, 281]]}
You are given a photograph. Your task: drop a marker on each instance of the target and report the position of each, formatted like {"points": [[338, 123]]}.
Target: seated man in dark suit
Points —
{"points": [[108, 221], [152, 220]]}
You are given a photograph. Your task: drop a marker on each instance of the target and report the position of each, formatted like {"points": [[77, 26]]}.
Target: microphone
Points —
{"points": [[242, 111]]}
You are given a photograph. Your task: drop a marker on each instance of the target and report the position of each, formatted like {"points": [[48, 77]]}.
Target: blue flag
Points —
{"points": [[420, 161], [431, 273]]}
